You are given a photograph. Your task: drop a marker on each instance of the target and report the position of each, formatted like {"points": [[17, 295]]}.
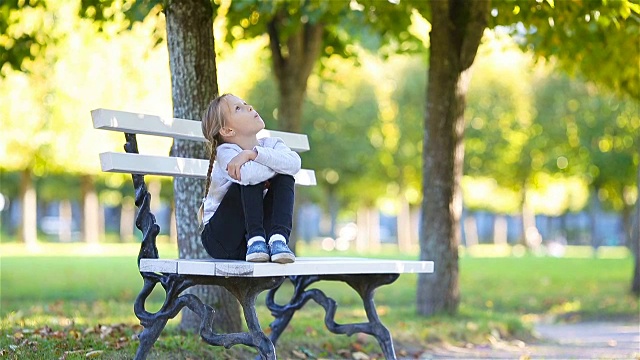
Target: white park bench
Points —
{"points": [[243, 279]]}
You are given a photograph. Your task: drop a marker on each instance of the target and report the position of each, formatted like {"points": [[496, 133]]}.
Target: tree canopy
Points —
{"points": [[597, 38]]}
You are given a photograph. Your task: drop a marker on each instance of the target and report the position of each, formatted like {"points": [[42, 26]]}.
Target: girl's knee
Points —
{"points": [[282, 178]]}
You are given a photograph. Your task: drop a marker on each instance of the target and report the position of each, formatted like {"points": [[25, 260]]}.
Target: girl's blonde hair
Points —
{"points": [[212, 123]]}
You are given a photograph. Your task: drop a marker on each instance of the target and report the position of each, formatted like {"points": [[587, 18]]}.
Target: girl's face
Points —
{"points": [[241, 117]]}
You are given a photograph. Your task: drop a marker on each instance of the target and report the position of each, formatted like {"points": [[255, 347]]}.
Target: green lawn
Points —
{"points": [[72, 298]]}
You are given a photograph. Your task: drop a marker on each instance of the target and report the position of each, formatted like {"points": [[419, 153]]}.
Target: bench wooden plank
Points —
{"points": [[135, 123], [166, 266], [172, 166], [302, 266]]}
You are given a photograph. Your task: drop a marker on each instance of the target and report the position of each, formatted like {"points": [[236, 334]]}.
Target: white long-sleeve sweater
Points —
{"points": [[274, 157]]}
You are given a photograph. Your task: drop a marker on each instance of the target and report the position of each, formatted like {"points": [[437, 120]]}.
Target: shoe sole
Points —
{"points": [[284, 258], [258, 257]]}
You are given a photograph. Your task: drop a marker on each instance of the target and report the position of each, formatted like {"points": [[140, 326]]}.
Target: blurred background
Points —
{"points": [[549, 182], [550, 159]]}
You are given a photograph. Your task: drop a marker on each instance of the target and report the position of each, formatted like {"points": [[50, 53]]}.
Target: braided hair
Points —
{"points": [[212, 123]]}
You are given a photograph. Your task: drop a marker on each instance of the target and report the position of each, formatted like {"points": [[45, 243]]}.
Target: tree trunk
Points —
{"points": [[29, 205], [373, 220], [194, 84], [173, 227], [90, 211], [415, 221], [65, 220], [594, 212], [635, 243], [127, 219], [530, 232], [500, 230], [627, 224], [334, 207], [362, 220], [293, 60], [404, 225], [470, 230], [455, 36]]}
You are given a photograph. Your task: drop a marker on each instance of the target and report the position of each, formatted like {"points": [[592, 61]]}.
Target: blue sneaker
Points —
{"points": [[258, 252], [280, 253]]}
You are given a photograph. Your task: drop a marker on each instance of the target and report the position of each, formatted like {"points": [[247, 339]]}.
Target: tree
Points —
{"points": [[337, 127], [296, 31], [596, 39], [595, 132], [499, 128], [455, 37], [302, 32], [547, 129], [47, 105], [193, 75]]}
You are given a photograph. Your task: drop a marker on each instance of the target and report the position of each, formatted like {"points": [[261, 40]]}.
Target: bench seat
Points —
{"points": [[302, 266]]}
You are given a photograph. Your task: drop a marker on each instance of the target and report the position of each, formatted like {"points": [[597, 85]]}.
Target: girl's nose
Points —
{"points": [[250, 108]]}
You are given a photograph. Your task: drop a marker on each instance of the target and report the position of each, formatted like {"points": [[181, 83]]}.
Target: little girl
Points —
{"points": [[249, 192]]}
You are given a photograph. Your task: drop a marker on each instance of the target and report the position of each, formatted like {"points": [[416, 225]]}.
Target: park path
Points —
{"points": [[597, 340]]}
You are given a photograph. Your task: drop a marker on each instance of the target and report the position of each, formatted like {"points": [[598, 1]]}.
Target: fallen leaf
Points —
{"points": [[328, 346], [121, 342], [359, 355], [308, 352], [93, 354], [344, 353], [363, 338], [298, 354], [69, 352]]}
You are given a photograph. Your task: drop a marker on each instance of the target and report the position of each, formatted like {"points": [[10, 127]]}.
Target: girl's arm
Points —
{"points": [[279, 158], [251, 172]]}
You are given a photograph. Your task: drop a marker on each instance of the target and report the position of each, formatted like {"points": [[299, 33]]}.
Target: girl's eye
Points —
{"points": [[237, 108]]}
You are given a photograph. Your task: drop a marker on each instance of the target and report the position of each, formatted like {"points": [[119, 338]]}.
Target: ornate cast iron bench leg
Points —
{"points": [[365, 285], [154, 323], [244, 289]]}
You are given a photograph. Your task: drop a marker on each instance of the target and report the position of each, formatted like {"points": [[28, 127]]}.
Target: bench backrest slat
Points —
{"points": [[172, 166], [134, 123]]}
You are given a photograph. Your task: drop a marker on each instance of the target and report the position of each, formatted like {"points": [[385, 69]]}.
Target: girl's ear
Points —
{"points": [[226, 132]]}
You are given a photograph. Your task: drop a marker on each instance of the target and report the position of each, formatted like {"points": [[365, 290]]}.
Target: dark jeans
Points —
{"points": [[245, 213]]}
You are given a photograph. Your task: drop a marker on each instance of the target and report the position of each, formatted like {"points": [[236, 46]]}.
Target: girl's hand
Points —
{"points": [[233, 167]]}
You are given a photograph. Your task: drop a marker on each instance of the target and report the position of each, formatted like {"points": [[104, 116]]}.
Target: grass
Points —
{"points": [[72, 301]]}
